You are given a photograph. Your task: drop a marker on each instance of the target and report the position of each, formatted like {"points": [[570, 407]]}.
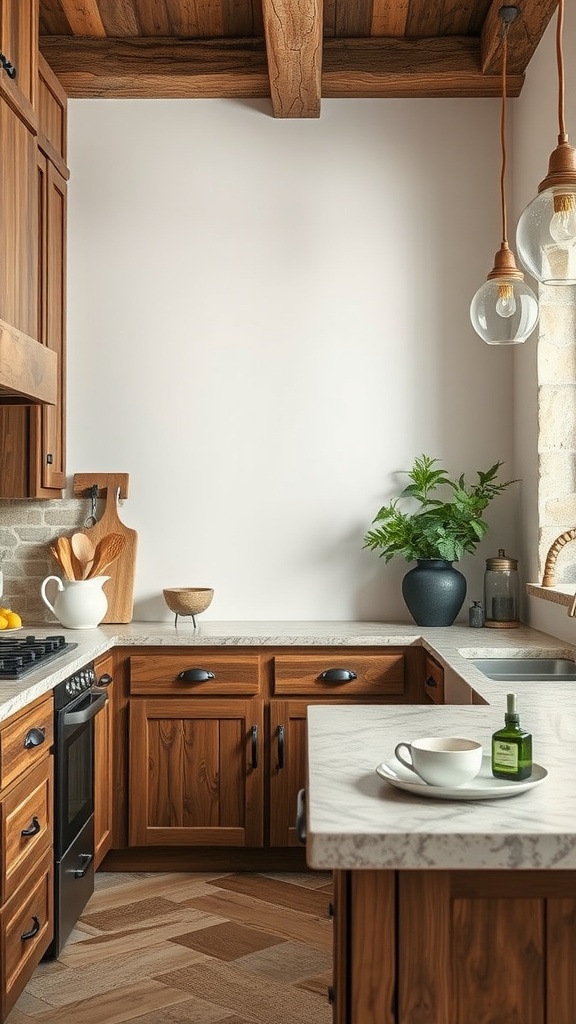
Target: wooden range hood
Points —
{"points": [[28, 370]]}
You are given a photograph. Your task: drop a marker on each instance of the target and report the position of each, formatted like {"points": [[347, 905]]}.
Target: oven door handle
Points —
{"points": [[97, 702], [86, 859]]}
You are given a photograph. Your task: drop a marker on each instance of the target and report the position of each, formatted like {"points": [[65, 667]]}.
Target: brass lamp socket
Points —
{"points": [[505, 265], [561, 167]]}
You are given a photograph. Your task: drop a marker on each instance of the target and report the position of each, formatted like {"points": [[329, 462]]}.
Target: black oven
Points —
{"points": [[77, 701]]}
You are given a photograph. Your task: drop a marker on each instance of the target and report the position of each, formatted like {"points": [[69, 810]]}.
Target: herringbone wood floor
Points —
{"points": [[191, 949]]}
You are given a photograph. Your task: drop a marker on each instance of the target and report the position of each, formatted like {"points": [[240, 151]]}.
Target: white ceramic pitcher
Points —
{"points": [[79, 604]]}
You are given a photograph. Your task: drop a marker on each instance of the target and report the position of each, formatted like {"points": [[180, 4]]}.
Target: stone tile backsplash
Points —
{"points": [[27, 528]]}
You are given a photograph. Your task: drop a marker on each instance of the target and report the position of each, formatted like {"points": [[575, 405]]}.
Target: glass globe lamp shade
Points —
{"points": [[546, 236], [504, 311]]}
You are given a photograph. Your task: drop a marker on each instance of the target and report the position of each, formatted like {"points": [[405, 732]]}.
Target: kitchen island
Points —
{"points": [[447, 911]]}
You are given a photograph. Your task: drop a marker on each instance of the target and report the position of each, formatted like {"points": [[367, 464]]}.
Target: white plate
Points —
{"points": [[483, 787], [15, 630]]}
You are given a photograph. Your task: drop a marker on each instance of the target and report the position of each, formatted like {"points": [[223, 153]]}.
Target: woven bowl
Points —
{"points": [[188, 600]]}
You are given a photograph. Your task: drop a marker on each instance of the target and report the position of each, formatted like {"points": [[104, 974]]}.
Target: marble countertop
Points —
{"points": [[355, 820], [444, 643]]}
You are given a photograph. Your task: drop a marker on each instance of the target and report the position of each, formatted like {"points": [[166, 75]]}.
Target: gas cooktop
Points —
{"points": [[21, 655]]}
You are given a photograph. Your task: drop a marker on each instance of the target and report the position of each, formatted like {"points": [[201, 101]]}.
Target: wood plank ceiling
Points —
{"points": [[292, 51]]}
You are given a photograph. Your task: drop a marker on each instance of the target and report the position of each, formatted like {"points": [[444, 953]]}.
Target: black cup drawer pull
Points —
{"points": [[33, 931], [430, 681], [338, 675], [196, 675], [34, 737], [104, 680], [33, 829]]}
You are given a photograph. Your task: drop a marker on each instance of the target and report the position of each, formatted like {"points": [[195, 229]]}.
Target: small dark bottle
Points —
{"points": [[511, 746]]}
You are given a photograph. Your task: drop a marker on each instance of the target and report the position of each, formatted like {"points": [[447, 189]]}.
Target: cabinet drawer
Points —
{"points": [[206, 673], [26, 825], [340, 673], [26, 930], [433, 681], [25, 741]]}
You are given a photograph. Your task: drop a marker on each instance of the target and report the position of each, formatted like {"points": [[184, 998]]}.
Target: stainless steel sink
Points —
{"points": [[510, 670]]}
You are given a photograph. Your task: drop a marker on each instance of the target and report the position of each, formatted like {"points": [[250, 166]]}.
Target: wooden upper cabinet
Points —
{"points": [[196, 772], [48, 422], [33, 229], [19, 44], [18, 224], [52, 113]]}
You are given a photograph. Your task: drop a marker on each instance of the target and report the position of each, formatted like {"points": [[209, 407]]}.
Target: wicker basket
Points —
{"points": [[188, 600]]}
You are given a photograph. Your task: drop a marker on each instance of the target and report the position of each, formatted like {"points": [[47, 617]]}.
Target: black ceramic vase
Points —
{"points": [[434, 592]]}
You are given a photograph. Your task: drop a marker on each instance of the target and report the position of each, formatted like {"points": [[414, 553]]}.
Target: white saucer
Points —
{"points": [[483, 787]]}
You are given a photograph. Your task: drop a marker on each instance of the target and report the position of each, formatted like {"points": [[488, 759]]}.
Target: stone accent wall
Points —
{"points": [[557, 426], [27, 529]]}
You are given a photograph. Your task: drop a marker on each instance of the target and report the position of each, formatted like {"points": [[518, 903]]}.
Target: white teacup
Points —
{"points": [[442, 761]]}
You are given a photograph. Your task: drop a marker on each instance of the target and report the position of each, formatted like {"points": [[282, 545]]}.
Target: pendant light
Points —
{"points": [[504, 311], [546, 232]]}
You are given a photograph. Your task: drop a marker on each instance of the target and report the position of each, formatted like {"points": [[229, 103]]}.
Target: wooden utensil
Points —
{"points": [[64, 556], [107, 551], [120, 587], [83, 549]]}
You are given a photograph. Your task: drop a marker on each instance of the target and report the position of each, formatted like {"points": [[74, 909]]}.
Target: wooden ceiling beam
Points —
{"points": [[403, 68], [83, 17], [293, 34], [237, 68], [524, 35], [158, 68]]}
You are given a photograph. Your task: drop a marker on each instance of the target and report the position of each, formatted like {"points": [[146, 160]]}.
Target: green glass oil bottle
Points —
{"points": [[512, 746]]}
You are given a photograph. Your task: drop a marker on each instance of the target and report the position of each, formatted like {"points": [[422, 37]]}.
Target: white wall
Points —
{"points": [[268, 320], [535, 135]]}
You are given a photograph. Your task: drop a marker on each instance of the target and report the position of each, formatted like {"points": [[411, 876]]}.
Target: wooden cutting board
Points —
{"points": [[119, 589]]}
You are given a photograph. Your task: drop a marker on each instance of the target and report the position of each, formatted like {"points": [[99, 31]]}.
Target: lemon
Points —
{"points": [[3, 622], [13, 619], [5, 611]]}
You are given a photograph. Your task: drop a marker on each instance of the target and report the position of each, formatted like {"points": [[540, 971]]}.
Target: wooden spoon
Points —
{"points": [[64, 555], [83, 550], [107, 551]]}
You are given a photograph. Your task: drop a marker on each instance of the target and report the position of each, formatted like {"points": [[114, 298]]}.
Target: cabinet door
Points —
{"points": [[103, 768], [434, 681], [18, 224], [288, 737], [19, 44], [196, 772], [47, 439]]}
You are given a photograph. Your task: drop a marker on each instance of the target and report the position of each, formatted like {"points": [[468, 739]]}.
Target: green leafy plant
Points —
{"points": [[439, 527]]}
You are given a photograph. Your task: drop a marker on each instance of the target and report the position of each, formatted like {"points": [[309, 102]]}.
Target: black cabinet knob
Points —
{"points": [[34, 737]]}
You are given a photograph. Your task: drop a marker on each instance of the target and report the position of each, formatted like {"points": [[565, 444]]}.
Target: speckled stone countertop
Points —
{"points": [[355, 820]]}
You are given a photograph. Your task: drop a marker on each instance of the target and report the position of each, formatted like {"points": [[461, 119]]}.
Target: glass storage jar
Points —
{"points": [[501, 592]]}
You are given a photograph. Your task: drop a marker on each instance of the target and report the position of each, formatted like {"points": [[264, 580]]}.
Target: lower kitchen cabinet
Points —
{"points": [[196, 772], [103, 762], [26, 846], [434, 681], [439, 947], [210, 745]]}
